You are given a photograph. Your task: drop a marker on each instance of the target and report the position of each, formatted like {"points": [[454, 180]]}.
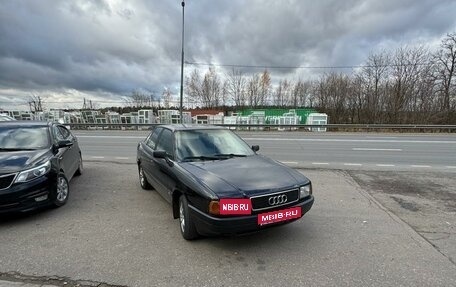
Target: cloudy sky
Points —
{"points": [[104, 49]]}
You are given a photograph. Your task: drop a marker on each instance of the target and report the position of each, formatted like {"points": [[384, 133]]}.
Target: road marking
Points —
{"points": [[376, 149], [385, 165], [450, 166], [320, 163], [420, 166], [97, 157], [289, 162], [369, 137], [352, 164], [121, 157], [348, 140]]}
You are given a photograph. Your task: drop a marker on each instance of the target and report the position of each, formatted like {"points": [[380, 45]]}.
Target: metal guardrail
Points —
{"points": [[271, 126]]}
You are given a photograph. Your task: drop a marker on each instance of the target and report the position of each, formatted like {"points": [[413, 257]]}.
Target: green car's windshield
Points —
{"points": [[210, 144], [23, 138]]}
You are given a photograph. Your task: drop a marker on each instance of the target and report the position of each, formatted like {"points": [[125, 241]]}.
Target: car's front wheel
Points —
{"points": [[187, 227], [62, 191], [142, 179]]}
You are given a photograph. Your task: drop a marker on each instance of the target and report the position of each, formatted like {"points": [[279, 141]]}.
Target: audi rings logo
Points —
{"points": [[278, 199]]}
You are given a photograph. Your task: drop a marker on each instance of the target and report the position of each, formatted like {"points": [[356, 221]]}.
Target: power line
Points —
{"points": [[305, 67]]}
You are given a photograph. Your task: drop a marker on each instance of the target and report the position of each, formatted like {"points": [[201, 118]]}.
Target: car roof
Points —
{"points": [[25, 124], [190, 127]]}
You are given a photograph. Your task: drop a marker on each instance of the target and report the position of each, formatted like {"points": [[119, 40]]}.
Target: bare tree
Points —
{"points": [[407, 64], [138, 99], [253, 90], [166, 96], [373, 78], [265, 88], [282, 94], [300, 93], [236, 87], [35, 103], [207, 91], [446, 61]]}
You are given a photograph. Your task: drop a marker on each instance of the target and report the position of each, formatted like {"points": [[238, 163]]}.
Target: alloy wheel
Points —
{"points": [[182, 217], [62, 189]]}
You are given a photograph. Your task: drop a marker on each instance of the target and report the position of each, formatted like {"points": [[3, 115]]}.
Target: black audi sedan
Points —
{"points": [[217, 184], [37, 160]]}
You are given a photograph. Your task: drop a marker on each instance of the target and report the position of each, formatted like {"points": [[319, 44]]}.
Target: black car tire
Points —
{"points": [[80, 167], [142, 179], [186, 226], [62, 191]]}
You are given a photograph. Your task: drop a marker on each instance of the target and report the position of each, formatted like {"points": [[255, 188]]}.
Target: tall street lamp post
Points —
{"points": [[182, 67]]}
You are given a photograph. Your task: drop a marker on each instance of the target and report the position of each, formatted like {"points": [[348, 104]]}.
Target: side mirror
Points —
{"points": [[163, 154], [160, 154], [255, 148], [64, 143]]}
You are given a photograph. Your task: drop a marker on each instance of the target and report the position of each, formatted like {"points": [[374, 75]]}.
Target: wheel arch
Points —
{"points": [[175, 202]]}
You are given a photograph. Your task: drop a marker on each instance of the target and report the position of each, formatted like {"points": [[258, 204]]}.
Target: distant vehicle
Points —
{"points": [[5, 118], [37, 161], [217, 184]]}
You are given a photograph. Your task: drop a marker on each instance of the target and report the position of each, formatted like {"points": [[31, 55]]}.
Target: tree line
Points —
{"points": [[408, 85]]}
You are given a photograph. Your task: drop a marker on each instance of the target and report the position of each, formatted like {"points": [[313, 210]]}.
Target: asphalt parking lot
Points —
{"points": [[113, 233]]}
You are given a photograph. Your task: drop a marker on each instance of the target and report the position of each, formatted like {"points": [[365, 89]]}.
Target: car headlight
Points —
{"points": [[305, 190], [30, 174]]}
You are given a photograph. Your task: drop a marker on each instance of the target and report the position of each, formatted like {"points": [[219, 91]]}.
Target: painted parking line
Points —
{"points": [[121, 157], [450, 166], [420, 166], [376, 149], [352, 164], [320, 163], [97, 157], [289, 162], [385, 165]]}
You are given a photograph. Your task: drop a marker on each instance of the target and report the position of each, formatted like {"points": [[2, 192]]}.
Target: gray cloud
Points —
{"points": [[107, 48]]}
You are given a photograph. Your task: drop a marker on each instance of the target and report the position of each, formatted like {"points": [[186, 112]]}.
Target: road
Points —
{"points": [[383, 216], [112, 231], [366, 151]]}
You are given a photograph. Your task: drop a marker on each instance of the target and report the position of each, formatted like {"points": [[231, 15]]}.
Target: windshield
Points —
{"points": [[210, 144], [23, 138]]}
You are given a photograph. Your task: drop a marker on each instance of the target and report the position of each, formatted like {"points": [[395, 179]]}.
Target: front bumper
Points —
{"points": [[21, 197], [210, 225]]}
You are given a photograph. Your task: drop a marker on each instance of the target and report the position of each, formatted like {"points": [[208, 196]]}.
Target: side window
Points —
{"points": [[57, 134], [152, 139], [65, 133], [165, 142]]}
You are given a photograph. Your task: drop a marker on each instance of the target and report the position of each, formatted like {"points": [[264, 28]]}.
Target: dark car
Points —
{"points": [[37, 160], [217, 184]]}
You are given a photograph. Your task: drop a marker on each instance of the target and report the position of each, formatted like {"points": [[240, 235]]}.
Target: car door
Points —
{"points": [[162, 169], [68, 156], [146, 155]]}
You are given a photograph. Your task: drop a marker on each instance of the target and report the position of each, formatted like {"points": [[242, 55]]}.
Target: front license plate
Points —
{"points": [[279, 215]]}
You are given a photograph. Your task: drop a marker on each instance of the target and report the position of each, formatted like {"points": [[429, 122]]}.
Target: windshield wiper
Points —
{"points": [[13, 149], [200, 157], [229, 155], [16, 149]]}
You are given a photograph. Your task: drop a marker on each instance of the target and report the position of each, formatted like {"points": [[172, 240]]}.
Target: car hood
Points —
{"points": [[244, 176], [20, 160]]}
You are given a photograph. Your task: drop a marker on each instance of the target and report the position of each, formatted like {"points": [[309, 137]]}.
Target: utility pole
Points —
{"points": [[182, 67]]}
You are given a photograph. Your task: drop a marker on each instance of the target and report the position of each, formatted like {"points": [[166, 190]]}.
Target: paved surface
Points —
{"points": [[426, 201], [352, 151], [111, 231]]}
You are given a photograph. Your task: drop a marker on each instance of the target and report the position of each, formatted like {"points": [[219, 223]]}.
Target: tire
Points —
{"points": [[62, 191], [80, 167], [187, 227], [142, 179]]}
